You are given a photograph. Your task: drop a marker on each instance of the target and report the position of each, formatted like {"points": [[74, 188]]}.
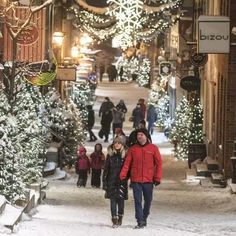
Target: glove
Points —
{"points": [[156, 183]]}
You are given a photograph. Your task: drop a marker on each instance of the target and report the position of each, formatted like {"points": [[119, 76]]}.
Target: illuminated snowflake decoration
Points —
{"points": [[124, 40], [127, 14]]}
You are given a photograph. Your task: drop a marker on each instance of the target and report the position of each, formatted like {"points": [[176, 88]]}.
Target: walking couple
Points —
{"points": [[143, 165]]}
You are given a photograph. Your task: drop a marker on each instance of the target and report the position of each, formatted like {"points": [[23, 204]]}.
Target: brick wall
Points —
{"points": [[230, 103]]}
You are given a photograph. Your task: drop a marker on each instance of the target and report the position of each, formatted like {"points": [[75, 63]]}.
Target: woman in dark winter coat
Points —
{"points": [[116, 190], [82, 166], [97, 160]]}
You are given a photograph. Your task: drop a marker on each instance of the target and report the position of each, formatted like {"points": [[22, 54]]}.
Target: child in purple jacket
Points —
{"points": [[82, 166]]}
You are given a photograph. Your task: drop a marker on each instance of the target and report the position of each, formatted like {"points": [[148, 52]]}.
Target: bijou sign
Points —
{"points": [[213, 34]]}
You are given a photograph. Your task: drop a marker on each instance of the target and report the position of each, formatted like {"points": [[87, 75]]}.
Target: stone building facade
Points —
{"points": [[218, 90]]}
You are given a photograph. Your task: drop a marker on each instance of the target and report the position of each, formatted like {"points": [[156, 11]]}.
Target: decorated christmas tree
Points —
{"points": [[158, 90], [130, 67], [56, 110], [163, 114], [197, 122], [65, 120], [144, 73], [180, 132], [83, 96], [74, 133]]}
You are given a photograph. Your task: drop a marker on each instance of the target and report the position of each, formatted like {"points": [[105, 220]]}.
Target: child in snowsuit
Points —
{"points": [[116, 190], [97, 160], [82, 166]]}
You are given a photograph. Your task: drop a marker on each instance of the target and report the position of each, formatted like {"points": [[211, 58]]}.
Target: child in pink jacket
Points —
{"points": [[82, 166]]}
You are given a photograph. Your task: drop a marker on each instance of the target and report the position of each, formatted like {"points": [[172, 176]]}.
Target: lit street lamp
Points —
{"points": [[57, 38]]}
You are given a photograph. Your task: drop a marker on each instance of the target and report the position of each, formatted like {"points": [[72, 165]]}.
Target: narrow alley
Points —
{"points": [[177, 209]]}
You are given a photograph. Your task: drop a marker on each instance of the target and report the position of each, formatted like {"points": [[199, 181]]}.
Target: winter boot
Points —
{"points": [[114, 221], [119, 222]]}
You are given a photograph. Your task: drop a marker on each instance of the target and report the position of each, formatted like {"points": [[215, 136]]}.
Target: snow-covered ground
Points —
{"points": [[178, 208]]}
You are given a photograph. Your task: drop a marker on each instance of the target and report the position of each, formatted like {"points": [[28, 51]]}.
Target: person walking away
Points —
{"points": [[106, 124], [91, 121], [106, 105], [97, 160], [117, 119], [137, 116], [151, 118], [145, 164], [112, 73], [82, 166], [101, 72], [121, 71], [141, 101], [106, 113], [115, 190], [122, 107]]}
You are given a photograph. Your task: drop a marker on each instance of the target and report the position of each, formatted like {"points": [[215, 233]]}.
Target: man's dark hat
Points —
{"points": [[142, 130]]}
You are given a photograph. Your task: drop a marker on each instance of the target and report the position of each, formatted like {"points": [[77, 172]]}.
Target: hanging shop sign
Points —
{"points": [[29, 35], [164, 68], [198, 59], [213, 34], [66, 73], [190, 83]]}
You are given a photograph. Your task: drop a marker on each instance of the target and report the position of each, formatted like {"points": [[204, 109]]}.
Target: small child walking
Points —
{"points": [[97, 160], [82, 166], [116, 190]]}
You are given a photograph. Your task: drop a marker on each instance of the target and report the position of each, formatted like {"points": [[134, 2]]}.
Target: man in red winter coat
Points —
{"points": [[144, 162]]}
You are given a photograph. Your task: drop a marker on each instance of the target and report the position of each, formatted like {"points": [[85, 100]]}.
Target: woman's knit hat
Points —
{"points": [[120, 139]]}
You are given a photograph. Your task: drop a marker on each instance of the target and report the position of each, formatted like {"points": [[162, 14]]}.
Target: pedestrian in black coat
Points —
{"points": [[116, 190], [91, 120]]}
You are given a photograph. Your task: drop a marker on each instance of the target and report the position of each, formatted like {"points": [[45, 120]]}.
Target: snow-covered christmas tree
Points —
{"points": [[83, 96], [74, 133], [30, 136], [65, 120], [11, 185]]}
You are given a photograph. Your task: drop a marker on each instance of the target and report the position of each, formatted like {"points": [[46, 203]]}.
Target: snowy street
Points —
{"points": [[178, 208]]}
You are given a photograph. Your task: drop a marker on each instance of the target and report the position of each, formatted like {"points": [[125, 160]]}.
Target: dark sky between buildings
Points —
{"points": [[97, 3]]}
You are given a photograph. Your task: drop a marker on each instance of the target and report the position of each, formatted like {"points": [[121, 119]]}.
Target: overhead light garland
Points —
{"points": [[128, 21]]}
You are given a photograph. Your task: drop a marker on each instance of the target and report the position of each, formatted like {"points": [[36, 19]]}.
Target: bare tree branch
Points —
{"points": [[16, 28]]}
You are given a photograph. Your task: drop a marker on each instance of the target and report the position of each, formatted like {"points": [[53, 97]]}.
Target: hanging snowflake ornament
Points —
{"points": [[127, 13]]}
